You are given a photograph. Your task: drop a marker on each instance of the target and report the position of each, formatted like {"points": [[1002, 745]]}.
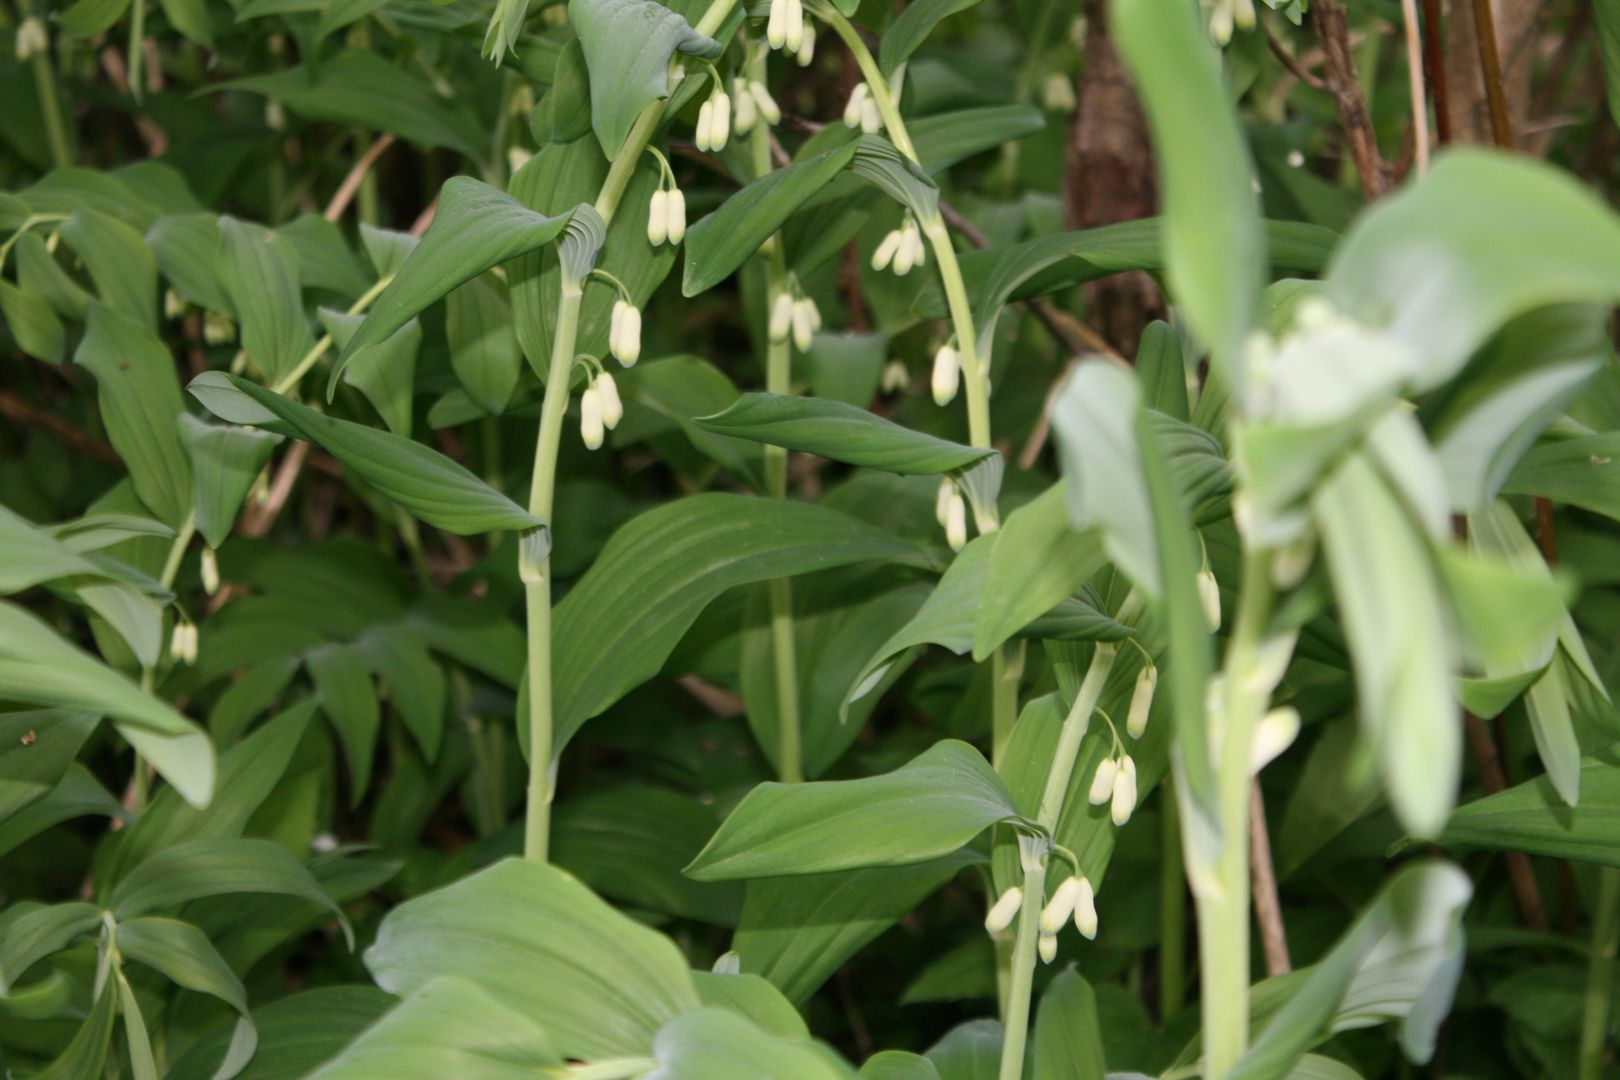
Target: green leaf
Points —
{"points": [[718, 1044], [188, 959], [476, 227], [796, 931], [139, 396], [1399, 961], [33, 325], [542, 944], [1214, 246], [912, 28], [483, 346], [1418, 264], [76, 794], [619, 623], [723, 241], [1578, 472], [297, 1034], [448, 1027], [423, 481], [628, 46], [682, 387], [385, 372], [34, 556], [1608, 32], [926, 809], [944, 139], [350, 702], [841, 432], [259, 271], [1036, 562], [1534, 818], [186, 247], [86, 1055], [38, 667], [1069, 1038], [212, 866], [87, 18], [753, 997], [224, 463], [40, 932], [36, 748], [358, 88], [120, 265], [898, 1065]]}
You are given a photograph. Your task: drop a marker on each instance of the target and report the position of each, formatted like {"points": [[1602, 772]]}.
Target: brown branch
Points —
{"points": [[425, 218], [1526, 894], [1291, 62], [1490, 63], [1267, 908], [356, 176], [1434, 65], [20, 411], [1328, 16]]}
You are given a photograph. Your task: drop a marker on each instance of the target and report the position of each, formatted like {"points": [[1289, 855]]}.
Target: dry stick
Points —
{"points": [[20, 411], [1291, 62], [1434, 64], [1340, 65], [1526, 894], [425, 218], [357, 174], [1414, 76], [1490, 62], [1267, 908]]}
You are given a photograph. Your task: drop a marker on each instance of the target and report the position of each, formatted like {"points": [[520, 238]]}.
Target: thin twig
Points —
{"points": [[1526, 894], [425, 218], [20, 411], [1414, 76], [1490, 63], [1434, 52], [1291, 62], [1339, 62], [1267, 908], [357, 174]]}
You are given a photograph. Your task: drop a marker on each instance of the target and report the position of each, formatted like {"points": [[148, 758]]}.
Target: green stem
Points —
{"points": [[57, 135], [1223, 912], [1023, 972], [318, 350], [1600, 974], [137, 49], [1172, 910]]}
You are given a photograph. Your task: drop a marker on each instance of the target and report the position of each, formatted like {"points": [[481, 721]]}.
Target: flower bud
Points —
{"points": [[776, 24], [895, 377], [807, 46], [884, 255], [781, 317], [1210, 595], [747, 110], [942, 501], [720, 121], [1275, 733], [804, 324], [218, 329], [1124, 800], [31, 38], [675, 215], [956, 522], [1057, 93], [183, 643], [1147, 680], [1085, 910], [1060, 906], [760, 96], [1102, 783], [947, 374], [1004, 910], [624, 333], [871, 119], [705, 121], [1046, 945], [905, 255], [173, 305], [657, 219], [210, 571], [591, 430], [852, 109], [919, 251], [612, 406], [793, 25]]}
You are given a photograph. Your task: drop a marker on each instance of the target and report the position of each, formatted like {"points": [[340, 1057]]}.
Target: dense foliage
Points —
{"points": [[808, 539]]}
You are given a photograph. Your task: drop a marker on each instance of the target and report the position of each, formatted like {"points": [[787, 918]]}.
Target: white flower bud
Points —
{"points": [[516, 158], [919, 250], [781, 317], [884, 255], [1057, 94], [612, 407], [1004, 910], [173, 305], [183, 643], [947, 374], [804, 324], [942, 501], [871, 119], [657, 221], [1046, 945], [1275, 733], [1147, 680], [1209, 594], [1102, 783], [275, 117], [675, 215], [905, 255], [895, 377], [1085, 910], [624, 333], [760, 96], [1060, 906], [31, 38], [591, 430], [793, 20], [852, 109], [210, 571], [776, 24], [747, 110], [720, 122], [807, 46], [1124, 791], [218, 329], [956, 522], [705, 122]]}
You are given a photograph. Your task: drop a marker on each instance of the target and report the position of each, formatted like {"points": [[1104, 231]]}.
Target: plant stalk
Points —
{"points": [[1016, 1028], [1172, 910], [1600, 974], [57, 134]]}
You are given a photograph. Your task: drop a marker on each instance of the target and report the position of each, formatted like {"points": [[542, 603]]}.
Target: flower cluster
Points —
{"points": [[754, 103], [796, 315], [902, 249], [950, 510], [861, 110]]}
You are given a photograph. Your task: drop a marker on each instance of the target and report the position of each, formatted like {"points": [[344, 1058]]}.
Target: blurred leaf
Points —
{"points": [[259, 271], [1580, 472], [296, 1034], [224, 463], [1534, 818], [119, 263], [1037, 560], [628, 46], [483, 346], [841, 432], [1069, 1038], [33, 325], [41, 932], [718, 1044]]}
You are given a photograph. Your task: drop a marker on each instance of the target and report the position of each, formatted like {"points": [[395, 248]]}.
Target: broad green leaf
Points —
{"points": [[138, 391], [1037, 560], [483, 346], [1069, 1038], [38, 667], [1579, 472], [898, 1065], [120, 265], [224, 463], [841, 432], [138, 1041], [628, 46], [358, 87], [448, 1027], [350, 702], [297, 1034], [912, 28], [1402, 651], [1214, 246], [212, 866], [1094, 418], [41, 273], [926, 809], [619, 623], [423, 481], [1418, 264], [1399, 961], [1608, 33], [77, 794], [32, 324], [34, 556], [186, 247], [970, 1051], [476, 227], [415, 683], [796, 931], [259, 271], [1534, 818], [718, 1044], [87, 18], [385, 372], [39, 933], [753, 997], [682, 387], [723, 241], [36, 748], [944, 139], [188, 959], [542, 944], [86, 1055], [325, 260]]}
